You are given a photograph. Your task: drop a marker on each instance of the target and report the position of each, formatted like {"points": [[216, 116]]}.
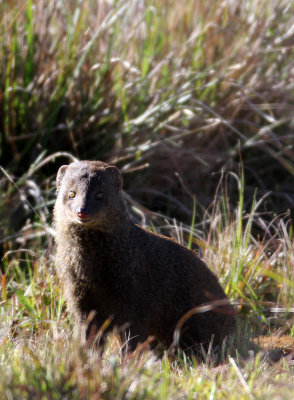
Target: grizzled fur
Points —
{"points": [[109, 265]]}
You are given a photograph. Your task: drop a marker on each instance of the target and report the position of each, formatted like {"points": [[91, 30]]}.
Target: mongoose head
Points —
{"points": [[88, 194]]}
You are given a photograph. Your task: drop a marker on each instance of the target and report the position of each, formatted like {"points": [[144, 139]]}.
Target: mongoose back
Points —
{"points": [[109, 265]]}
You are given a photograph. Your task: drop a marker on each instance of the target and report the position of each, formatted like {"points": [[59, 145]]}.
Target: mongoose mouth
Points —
{"points": [[83, 219], [86, 221], [83, 215]]}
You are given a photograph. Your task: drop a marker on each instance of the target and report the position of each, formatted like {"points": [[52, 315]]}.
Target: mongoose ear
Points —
{"points": [[60, 175], [116, 175]]}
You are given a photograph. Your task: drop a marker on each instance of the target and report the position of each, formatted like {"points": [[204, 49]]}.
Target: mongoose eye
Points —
{"points": [[99, 196], [72, 194]]}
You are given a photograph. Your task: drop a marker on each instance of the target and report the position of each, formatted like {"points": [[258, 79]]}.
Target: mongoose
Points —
{"points": [[109, 265]]}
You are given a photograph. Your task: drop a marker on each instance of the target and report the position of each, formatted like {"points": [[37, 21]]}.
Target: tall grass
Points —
{"points": [[183, 87]]}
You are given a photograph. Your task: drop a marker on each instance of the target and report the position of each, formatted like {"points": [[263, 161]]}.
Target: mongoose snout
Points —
{"points": [[112, 267], [82, 212]]}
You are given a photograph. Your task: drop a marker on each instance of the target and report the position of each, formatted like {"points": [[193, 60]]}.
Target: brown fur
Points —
{"points": [[108, 264]]}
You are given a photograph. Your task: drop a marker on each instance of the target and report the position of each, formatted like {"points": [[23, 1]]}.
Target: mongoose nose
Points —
{"points": [[82, 212]]}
